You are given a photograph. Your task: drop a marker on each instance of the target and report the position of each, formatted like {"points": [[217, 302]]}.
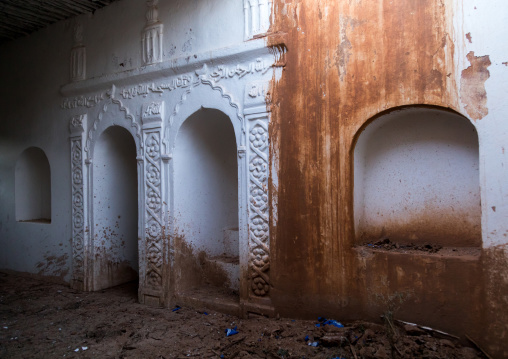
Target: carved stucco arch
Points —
{"points": [[198, 97], [120, 116]]}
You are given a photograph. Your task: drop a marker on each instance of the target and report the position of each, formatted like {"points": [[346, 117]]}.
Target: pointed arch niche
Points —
{"points": [[416, 179]]}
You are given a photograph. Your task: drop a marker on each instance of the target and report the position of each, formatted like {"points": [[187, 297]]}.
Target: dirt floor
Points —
{"points": [[40, 319]]}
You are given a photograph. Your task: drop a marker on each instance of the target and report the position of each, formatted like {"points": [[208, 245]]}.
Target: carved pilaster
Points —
{"points": [[151, 39], [259, 237], [152, 285], [78, 55], [257, 116], [76, 128]]}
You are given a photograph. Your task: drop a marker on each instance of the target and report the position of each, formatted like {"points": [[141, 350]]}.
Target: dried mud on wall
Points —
{"points": [[346, 62], [494, 316]]}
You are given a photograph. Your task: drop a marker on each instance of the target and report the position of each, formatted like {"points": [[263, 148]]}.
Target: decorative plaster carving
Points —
{"points": [[256, 17], [128, 116], [259, 66], [256, 96], [151, 39], [259, 240], [224, 72], [145, 89], [232, 102], [153, 208], [76, 123], [153, 108], [78, 55], [204, 76], [82, 101], [78, 206], [152, 114]]}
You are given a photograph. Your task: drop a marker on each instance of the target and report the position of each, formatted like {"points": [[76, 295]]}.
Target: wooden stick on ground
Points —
{"points": [[479, 347], [353, 351]]}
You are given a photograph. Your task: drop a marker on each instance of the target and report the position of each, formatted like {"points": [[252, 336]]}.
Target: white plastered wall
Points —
{"points": [[487, 25]]}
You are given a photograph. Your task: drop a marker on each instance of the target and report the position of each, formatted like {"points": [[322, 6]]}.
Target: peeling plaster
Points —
{"points": [[472, 86]]}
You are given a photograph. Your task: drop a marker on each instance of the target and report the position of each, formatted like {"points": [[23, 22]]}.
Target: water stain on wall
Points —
{"points": [[389, 54]]}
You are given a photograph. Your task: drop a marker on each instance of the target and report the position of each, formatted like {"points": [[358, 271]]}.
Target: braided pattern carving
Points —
{"points": [[78, 230], [153, 209], [259, 240]]}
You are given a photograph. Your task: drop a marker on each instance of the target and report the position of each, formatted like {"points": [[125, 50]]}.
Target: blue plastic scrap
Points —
{"points": [[306, 338], [230, 332], [324, 321], [334, 323], [313, 344], [176, 308]]}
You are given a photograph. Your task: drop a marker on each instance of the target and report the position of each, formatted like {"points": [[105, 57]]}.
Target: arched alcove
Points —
{"points": [[205, 187], [416, 179], [115, 208], [33, 187]]}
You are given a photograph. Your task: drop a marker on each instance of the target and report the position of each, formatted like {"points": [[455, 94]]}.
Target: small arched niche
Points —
{"points": [[205, 173], [33, 187], [115, 208], [416, 179]]}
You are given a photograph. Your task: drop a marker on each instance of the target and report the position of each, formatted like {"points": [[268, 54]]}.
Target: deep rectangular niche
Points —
{"points": [[416, 179], [32, 187]]}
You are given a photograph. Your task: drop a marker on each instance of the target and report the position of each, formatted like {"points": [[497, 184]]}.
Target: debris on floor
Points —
{"points": [[112, 324]]}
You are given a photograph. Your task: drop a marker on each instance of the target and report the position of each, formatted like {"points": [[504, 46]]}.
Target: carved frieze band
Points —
{"points": [[153, 209], [204, 75], [221, 72], [259, 238], [78, 205]]}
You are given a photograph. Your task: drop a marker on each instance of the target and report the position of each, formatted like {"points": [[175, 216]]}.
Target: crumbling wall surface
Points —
{"points": [[347, 62]]}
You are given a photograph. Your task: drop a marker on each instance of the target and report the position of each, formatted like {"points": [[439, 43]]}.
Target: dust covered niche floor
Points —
{"points": [[39, 319]]}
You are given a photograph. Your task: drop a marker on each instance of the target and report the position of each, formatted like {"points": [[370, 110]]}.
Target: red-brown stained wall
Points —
{"points": [[346, 62]]}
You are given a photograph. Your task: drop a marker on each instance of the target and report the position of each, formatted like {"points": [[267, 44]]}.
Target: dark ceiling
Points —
{"points": [[22, 17]]}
